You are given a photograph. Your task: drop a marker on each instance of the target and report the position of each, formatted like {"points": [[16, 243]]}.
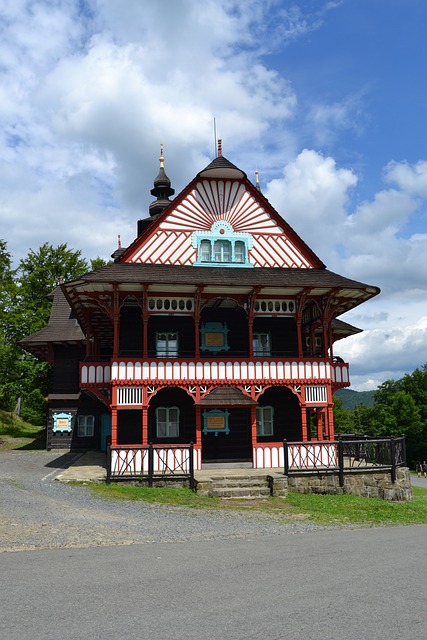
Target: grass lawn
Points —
{"points": [[318, 509], [17, 434]]}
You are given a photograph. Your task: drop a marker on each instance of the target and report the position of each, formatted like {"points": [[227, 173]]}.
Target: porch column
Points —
{"points": [[304, 422], [114, 416], [198, 441], [253, 433], [145, 425], [116, 323], [319, 423], [145, 323], [330, 422]]}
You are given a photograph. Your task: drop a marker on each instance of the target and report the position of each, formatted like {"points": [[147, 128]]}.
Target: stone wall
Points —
{"points": [[367, 485]]}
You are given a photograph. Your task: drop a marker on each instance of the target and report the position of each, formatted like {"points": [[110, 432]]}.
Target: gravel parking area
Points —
{"points": [[37, 511]]}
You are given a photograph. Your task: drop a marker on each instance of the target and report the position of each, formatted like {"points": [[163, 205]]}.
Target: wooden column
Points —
{"points": [[145, 425], [116, 322], [319, 424], [253, 432], [113, 416]]}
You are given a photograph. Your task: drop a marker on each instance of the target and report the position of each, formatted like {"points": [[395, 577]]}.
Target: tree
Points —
{"points": [[25, 308], [38, 275]]}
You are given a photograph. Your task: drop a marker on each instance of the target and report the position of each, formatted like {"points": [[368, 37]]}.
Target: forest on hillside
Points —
{"points": [[397, 407]]}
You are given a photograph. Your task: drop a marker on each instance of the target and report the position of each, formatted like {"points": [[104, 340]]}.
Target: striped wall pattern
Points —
{"points": [[133, 461], [304, 456], [210, 201]]}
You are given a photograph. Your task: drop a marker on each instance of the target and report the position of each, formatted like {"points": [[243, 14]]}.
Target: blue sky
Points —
{"points": [[327, 98]]}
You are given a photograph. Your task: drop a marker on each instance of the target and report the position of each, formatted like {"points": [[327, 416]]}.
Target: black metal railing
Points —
{"points": [[367, 455], [151, 462]]}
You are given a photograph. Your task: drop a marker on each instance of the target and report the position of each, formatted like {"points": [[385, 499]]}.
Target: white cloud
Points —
{"points": [[89, 90]]}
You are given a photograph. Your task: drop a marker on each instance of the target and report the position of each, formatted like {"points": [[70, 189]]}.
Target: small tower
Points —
{"points": [[162, 189]]}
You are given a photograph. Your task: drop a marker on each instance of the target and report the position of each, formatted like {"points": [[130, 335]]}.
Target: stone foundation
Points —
{"points": [[367, 485]]}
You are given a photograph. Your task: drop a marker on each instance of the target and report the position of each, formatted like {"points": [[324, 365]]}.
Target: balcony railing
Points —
{"points": [[219, 370]]}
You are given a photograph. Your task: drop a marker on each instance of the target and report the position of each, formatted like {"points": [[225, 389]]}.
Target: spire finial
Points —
{"points": [[219, 148], [119, 242], [162, 160], [257, 179]]}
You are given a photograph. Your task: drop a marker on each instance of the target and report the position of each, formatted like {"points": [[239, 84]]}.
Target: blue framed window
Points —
{"points": [[167, 422], [264, 421]]}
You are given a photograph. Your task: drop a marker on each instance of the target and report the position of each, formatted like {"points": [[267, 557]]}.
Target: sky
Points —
{"points": [[326, 98]]}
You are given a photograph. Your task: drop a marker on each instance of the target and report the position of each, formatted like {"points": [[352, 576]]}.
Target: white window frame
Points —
{"points": [[167, 352], [262, 349], [85, 426], [264, 424], [171, 422], [223, 251]]}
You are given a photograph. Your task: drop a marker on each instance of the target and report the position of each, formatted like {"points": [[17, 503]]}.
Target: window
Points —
{"points": [[205, 251], [85, 426], [167, 344], [222, 250], [167, 422], [262, 344], [239, 251], [264, 421]]}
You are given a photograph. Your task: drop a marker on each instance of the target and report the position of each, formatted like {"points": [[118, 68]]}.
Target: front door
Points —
{"points": [[231, 444], [105, 430]]}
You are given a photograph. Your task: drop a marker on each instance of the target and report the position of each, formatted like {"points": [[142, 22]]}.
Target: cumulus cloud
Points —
{"points": [[88, 91]]}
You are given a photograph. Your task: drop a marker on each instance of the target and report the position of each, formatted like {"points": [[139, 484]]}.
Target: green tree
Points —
{"points": [[25, 309], [38, 275]]}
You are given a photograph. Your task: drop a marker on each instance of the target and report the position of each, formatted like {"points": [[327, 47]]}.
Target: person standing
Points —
{"points": [[425, 469]]}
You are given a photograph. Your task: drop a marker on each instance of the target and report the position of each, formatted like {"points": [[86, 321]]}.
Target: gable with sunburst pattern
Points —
{"points": [[243, 229]]}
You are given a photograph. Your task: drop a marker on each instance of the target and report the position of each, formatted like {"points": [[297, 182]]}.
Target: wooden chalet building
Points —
{"points": [[216, 326]]}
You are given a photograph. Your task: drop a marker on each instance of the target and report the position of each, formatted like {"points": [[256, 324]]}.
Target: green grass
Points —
{"points": [[12, 427], [346, 509], [174, 496], [319, 509]]}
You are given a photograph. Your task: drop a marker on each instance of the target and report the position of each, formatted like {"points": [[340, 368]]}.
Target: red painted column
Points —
{"points": [[304, 422], [116, 323], [253, 433], [113, 416], [319, 424], [198, 442], [145, 425]]}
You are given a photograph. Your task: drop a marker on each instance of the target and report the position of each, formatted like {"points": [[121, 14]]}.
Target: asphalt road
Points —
{"points": [[242, 582]]}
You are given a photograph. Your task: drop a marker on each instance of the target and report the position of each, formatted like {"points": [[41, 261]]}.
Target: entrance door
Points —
{"points": [[105, 430], [218, 446]]}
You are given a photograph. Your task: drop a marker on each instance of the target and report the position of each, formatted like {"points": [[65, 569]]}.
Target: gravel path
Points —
{"points": [[38, 512]]}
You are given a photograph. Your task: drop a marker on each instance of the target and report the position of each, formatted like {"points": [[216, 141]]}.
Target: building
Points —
{"points": [[216, 326]]}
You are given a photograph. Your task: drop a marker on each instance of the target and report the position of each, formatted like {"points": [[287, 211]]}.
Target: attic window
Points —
{"points": [[222, 247]]}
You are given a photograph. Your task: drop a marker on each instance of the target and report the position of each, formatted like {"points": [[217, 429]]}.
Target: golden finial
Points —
{"points": [[161, 156]]}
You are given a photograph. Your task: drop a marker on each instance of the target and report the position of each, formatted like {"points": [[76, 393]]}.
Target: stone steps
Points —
{"points": [[235, 486]]}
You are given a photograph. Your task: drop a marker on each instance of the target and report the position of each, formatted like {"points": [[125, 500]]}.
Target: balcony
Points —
{"points": [[220, 370]]}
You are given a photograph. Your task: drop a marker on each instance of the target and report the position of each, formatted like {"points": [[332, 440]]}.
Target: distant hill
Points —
{"points": [[351, 399]]}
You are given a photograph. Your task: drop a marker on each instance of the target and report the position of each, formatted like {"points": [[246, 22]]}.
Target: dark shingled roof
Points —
{"points": [[260, 276], [62, 327], [225, 397], [221, 167]]}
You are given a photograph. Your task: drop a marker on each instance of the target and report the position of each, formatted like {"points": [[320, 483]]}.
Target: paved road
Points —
{"points": [[344, 585], [195, 575]]}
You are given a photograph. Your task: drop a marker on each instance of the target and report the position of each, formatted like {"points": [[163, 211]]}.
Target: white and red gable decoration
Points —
{"points": [[221, 193]]}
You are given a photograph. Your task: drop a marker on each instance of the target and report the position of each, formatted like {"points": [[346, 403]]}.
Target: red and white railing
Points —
{"points": [[219, 370]]}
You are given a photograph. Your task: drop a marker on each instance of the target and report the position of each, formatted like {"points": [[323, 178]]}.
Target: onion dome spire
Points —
{"points": [[162, 189]]}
